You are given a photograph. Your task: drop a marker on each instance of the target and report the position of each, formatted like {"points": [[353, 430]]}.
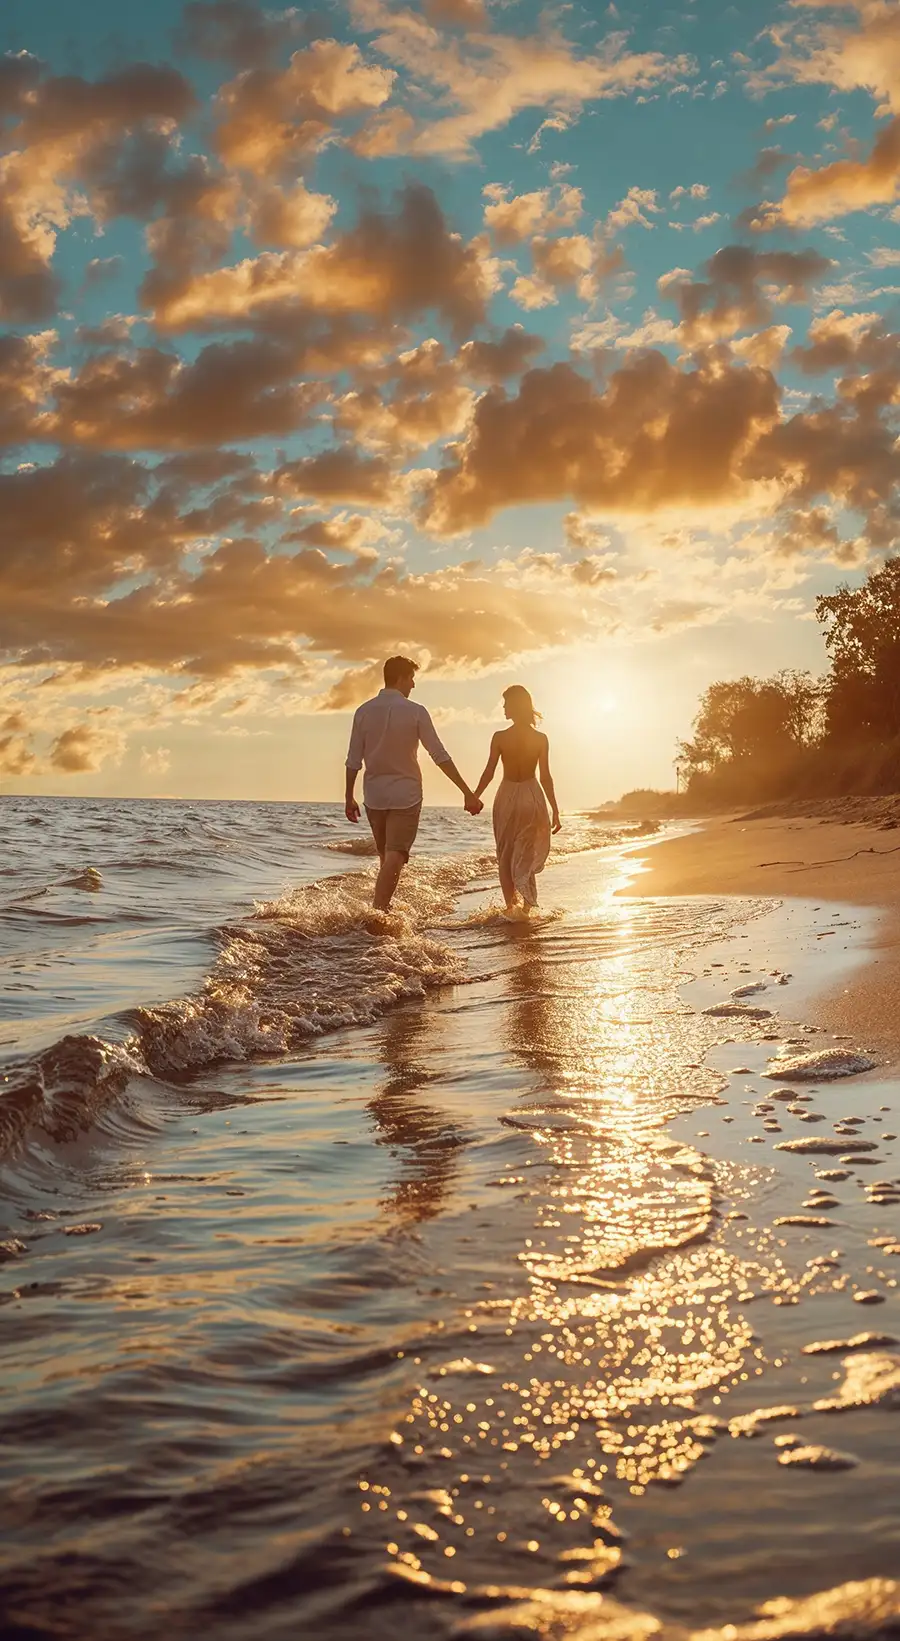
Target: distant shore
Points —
{"points": [[832, 855]]}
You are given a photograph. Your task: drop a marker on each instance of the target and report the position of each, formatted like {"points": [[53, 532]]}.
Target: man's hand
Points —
{"points": [[473, 805], [351, 810]]}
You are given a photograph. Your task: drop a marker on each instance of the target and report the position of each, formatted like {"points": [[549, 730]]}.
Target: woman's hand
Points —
{"points": [[557, 823]]}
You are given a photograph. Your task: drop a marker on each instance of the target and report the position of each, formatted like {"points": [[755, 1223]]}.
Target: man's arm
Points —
{"points": [[433, 745], [354, 765], [351, 807]]}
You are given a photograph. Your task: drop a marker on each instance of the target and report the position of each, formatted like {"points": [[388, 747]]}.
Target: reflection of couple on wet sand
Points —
{"points": [[385, 739]]}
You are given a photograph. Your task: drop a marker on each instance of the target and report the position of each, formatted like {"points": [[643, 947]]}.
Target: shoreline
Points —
{"points": [[849, 866]]}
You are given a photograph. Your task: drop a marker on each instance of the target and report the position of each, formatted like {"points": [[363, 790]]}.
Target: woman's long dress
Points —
{"points": [[522, 834]]}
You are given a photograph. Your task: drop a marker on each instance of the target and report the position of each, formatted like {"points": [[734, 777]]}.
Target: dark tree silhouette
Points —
{"points": [[862, 636]]}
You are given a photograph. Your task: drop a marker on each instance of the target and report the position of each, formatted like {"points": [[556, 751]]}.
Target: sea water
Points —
{"points": [[425, 1273]]}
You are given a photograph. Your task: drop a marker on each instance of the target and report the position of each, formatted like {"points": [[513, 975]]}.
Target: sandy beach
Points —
{"points": [[833, 857]]}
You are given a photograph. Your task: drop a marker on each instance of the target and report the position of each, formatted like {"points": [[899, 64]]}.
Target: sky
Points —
{"points": [[545, 344]]}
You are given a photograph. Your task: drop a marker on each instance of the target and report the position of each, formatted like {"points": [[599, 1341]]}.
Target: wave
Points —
{"points": [[61, 1091], [88, 878], [311, 961]]}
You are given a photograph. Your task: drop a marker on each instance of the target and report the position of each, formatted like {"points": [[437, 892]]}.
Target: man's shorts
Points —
{"points": [[394, 830]]}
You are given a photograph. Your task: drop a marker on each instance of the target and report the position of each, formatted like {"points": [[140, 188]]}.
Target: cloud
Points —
{"points": [[741, 288], [343, 475], [417, 400], [101, 268], [389, 266], [16, 754], [76, 527], [272, 121], [846, 452], [235, 32], [655, 436], [354, 686], [839, 340], [556, 263], [25, 380], [804, 533], [457, 13], [244, 608], [517, 218], [155, 760], [858, 53], [638, 206], [291, 217], [509, 355], [768, 162], [150, 399], [487, 78], [844, 186], [63, 132], [83, 749], [354, 533]]}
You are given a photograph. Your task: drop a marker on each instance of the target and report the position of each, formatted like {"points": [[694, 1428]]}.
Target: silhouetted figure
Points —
{"points": [[385, 738], [521, 823]]}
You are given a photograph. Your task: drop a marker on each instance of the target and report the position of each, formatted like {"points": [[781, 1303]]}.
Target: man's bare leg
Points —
{"points": [[392, 864]]}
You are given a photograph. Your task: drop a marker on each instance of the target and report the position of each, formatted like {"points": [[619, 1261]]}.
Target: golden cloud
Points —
{"points": [[271, 121], [64, 131], [389, 266], [152, 399], [489, 77], [846, 185], [741, 289], [655, 436], [518, 217]]}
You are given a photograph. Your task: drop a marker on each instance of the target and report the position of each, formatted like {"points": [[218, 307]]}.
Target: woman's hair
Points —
{"points": [[520, 705]]}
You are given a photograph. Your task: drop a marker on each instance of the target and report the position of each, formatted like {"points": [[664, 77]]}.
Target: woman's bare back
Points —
{"points": [[520, 749]]}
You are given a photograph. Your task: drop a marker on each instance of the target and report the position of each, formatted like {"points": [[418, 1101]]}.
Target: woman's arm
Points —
{"points": [[547, 783], [490, 768]]}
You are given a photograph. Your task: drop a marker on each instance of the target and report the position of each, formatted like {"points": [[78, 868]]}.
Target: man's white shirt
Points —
{"points": [[385, 738]]}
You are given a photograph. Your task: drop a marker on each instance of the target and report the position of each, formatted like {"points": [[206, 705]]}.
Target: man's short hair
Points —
{"points": [[397, 667]]}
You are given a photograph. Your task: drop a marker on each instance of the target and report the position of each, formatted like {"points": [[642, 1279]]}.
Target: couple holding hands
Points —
{"points": [[385, 739]]}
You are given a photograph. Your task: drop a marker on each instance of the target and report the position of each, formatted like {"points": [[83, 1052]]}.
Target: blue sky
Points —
{"points": [[551, 345]]}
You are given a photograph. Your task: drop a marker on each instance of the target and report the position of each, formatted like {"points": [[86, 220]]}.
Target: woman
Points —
{"points": [[521, 824]]}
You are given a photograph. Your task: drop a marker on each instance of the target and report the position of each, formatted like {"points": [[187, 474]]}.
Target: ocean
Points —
{"points": [[427, 1274]]}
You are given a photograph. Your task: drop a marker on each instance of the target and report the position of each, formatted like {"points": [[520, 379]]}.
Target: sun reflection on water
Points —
{"points": [[604, 1372]]}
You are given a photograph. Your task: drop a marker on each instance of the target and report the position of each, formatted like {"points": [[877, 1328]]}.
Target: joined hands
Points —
{"points": [[472, 805]]}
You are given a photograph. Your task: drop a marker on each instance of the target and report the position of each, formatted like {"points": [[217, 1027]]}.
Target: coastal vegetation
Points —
{"points": [[794, 735]]}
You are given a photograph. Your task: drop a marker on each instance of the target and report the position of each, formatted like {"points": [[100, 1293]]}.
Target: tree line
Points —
{"points": [[794, 735]]}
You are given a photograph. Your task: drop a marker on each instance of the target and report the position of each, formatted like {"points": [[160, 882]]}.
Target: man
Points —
{"points": [[385, 737]]}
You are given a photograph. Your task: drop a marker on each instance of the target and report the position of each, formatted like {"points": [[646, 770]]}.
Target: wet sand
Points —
{"points": [[815, 860]]}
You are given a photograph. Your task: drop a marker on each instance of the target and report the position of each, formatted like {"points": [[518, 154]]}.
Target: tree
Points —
{"points": [[749, 729], [741, 718], [862, 636], [804, 698]]}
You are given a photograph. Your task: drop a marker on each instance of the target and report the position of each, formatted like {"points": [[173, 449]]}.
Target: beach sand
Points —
{"points": [[812, 859]]}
